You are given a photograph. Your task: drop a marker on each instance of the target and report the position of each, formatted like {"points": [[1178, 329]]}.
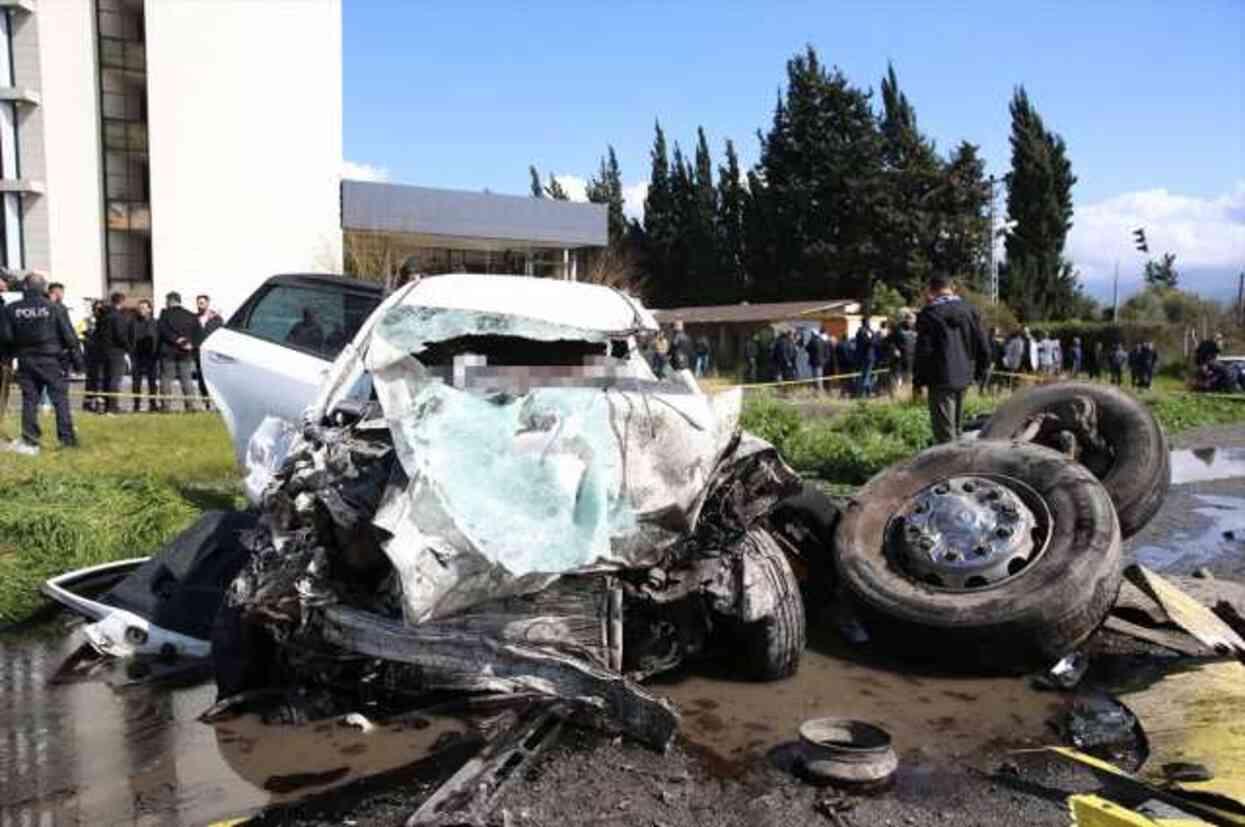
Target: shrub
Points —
{"points": [[770, 418]]}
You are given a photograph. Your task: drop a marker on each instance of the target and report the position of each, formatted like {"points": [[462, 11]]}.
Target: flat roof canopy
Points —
{"points": [[453, 217], [764, 312]]}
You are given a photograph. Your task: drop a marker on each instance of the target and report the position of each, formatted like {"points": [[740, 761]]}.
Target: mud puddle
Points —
{"points": [[1222, 533], [932, 718], [1207, 464], [90, 753]]}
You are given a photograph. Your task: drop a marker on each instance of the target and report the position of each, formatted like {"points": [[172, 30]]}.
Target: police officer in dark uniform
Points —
{"points": [[38, 333], [114, 339]]}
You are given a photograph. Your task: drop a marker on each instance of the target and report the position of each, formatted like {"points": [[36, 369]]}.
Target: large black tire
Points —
{"points": [[1025, 621], [1140, 475], [770, 648]]}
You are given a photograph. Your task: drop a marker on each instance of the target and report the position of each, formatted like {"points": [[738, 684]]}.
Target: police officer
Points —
{"points": [[37, 333], [114, 340]]}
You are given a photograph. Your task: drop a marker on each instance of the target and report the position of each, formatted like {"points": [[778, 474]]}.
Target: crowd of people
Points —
{"points": [[1037, 353], [38, 339], [942, 350], [160, 354]]}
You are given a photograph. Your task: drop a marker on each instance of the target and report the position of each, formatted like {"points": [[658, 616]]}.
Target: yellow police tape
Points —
{"points": [[76, 394], [829, 378]]}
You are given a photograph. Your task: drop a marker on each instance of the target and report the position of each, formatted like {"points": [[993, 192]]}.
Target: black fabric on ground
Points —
{"points": [[181, 586]]}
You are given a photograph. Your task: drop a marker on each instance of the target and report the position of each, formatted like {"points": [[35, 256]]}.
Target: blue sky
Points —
{"points": [[1149, 96]]}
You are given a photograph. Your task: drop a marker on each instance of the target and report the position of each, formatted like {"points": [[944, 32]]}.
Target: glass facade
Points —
{"points": [[122, 55], [373, 255]]}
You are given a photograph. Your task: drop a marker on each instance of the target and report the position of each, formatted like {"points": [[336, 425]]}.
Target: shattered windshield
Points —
{"points": [[486, 352]]}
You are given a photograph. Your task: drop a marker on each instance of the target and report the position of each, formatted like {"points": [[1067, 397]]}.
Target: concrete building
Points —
{"points": [[450, 231], [149, 145]]}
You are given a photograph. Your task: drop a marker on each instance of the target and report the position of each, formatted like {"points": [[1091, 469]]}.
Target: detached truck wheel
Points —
{"points": [[1107, 430], [1002, 555]]}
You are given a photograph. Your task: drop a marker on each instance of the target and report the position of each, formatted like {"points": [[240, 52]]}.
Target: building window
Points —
{"points": [[12, 252], [123, 123]]}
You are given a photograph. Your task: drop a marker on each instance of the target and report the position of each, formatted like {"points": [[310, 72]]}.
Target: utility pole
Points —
{"points": [[994, 270], [1115, 294], [1240, 299]]}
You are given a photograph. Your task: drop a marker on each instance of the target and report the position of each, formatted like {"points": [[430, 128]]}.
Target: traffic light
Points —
{"points": [[1139, 236]]}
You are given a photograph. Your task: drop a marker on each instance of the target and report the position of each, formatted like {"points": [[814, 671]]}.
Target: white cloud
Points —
{"points": [[1207, 236], [355, 171], [633, 200], [576, 187], [633, 194]]}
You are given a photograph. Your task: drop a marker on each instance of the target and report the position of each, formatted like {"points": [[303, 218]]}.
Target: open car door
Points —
{"points": [[271, 357]]}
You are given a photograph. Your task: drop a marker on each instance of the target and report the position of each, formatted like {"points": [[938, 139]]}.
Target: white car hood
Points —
{"points": [[502, 493]]}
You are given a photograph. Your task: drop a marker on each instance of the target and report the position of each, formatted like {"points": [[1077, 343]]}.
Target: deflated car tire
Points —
{"points": [[771, 646], [1002, 555], [1136, 468]]}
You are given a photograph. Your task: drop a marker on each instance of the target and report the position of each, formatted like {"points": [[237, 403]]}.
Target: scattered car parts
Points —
{"points": [[848, 753], [1187, 613]]}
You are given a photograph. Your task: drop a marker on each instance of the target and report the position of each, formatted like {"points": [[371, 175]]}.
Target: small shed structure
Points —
{"points": [[728, 326]]}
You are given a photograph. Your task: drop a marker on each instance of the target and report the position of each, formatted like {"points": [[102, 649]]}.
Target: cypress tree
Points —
{"points": [[679, 286], [658, 219], [909, 230], [538, 191], [606, 188], [554, 190], [730, 227], [963, 219], [1039, 201], [705, 276]]}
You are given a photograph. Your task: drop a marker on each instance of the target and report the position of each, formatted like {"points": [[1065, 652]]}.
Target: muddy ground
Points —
{"points": [[97, 751], [958, 737]]}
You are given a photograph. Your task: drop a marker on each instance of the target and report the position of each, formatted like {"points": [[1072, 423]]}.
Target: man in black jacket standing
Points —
{"points": [[144, 342], [115, 344], [178, 330], [951, 352], [39, 334], [816, 349]]}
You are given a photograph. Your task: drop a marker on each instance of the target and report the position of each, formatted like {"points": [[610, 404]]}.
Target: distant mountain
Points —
{"points": [[1220, 285]]}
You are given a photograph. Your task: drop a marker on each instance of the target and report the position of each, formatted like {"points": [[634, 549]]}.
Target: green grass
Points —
{"points": [[140, 479], [1182, 411], [135, 483], [857, 440], [852, 445]]}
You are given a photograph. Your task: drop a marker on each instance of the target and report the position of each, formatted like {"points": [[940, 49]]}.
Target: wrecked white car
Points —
{"points": [[492, 492], [488, 491]]}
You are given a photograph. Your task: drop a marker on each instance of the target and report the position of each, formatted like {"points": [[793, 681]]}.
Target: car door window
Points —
{"points": [[316, 320]]}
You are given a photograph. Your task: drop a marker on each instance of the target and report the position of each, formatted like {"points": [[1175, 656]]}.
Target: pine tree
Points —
{"points": [[1039, 201], [821, 165], [538, 191]]}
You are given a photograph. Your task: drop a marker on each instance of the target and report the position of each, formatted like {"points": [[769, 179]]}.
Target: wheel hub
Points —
{"points": [[964, 533]]}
